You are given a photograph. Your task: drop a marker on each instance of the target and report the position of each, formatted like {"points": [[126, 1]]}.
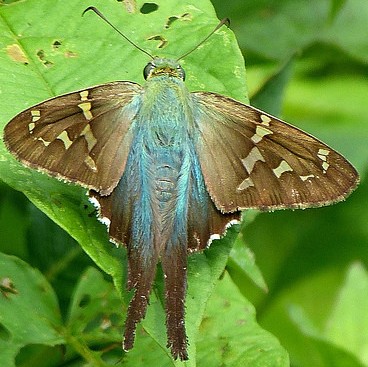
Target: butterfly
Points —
{"points": [[169, 170]]}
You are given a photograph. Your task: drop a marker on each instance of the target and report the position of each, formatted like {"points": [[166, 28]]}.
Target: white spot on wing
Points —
{"points": [[325, 166], [86, 109], [323, 151], [282, 168], [245, 184], [84, 95], [252, 158], [305, 178], [265, 120], [45, 142], [36, 115], [261, 131], [322, 155], [65, 139], [90, 163], [90, 138]]}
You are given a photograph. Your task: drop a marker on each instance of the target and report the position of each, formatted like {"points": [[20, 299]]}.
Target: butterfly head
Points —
{"points": [[158, 67]]}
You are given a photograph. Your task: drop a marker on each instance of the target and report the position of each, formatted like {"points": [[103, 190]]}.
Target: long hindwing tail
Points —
{"points": [[174, 264], [250, 159], [126, 227], [81, 137]]}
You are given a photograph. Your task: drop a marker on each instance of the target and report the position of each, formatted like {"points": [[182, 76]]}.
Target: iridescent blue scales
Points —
{"points": [[170, 169]]}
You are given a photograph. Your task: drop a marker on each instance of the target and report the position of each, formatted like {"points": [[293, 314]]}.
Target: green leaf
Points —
{"points": [[349, 320], [336, 6], [94, 312], [269, 97], [241, 264], [230, 335], [29, 312], [322, 352]]}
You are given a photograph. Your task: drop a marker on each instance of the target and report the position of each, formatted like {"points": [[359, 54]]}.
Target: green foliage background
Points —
{"points": [[307, 61]]}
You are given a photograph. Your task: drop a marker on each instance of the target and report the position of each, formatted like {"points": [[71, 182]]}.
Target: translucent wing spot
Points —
{"points": [[84, 95], [305, 178], [323, 152], [265, 120], [325, 166], [282, 168], [31, 126], [90, 138], [45, 142], [90, 163], [36, 115], [245, 184], [65, 139], [86, 109], [261, 131], [252, 158], [322, 155]]}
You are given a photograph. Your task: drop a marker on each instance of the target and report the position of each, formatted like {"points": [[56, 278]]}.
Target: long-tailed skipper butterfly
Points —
{"points": [[170, 169]]}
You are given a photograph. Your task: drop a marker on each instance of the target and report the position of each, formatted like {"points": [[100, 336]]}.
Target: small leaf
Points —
{"points": [[29, 311], [242, 264], [348, 321], [230, 335]]}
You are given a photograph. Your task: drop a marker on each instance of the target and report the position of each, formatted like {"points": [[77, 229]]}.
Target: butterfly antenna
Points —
{"points": [[222, 22], [95, 10]]}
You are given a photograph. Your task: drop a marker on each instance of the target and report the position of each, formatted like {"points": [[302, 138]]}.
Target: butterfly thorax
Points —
{"points": [[166, 111]]}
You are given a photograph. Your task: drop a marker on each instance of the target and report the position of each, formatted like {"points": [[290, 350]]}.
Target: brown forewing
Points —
{"points": [[251, 159], [80, 137]]}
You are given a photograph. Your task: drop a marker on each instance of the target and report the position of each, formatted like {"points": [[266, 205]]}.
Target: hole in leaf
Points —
{"points": [[86, 299], [163, 41], [96, 324], [56, 44], [42, 57], [172, 19], [4, 333], [148, 8]]}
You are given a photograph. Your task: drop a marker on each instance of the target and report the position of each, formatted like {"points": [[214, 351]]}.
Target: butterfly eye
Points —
{"points": [[148, 69]]}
